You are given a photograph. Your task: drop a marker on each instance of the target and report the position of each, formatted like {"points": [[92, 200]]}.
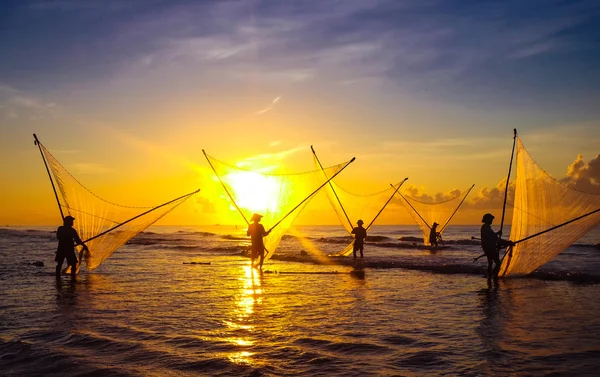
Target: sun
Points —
{"points": [[254, 192]]}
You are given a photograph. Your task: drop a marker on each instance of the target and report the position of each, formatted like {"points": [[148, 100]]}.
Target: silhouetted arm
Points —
{"points": [[78, 240]]}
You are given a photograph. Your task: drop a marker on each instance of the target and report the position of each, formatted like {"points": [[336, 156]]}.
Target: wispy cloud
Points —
{"points": [[269, 161], [411, 43], [269, 107], [17, 104]]}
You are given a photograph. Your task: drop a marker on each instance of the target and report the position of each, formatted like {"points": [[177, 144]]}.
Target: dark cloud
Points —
{"points": [[584, 176]]}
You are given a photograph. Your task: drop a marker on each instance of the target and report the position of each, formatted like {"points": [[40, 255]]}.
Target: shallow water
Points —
{"points": [[145, 313]]}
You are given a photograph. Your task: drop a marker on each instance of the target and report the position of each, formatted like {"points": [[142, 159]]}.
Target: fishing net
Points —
{"points": [[541, 203], [427, 210], [103, 226], [350, 207], [276, 195]]}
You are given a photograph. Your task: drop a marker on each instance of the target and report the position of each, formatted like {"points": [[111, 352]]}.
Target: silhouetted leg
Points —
{"points": [[59, 263], [73, 271], [489, 270], [497, 265], [262, 259], [361, 252]]}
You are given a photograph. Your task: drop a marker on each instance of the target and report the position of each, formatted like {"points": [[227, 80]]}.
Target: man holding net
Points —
{"points": [[434, 235], [67, 239], [360, 234], [256, 231], [491, 243]]}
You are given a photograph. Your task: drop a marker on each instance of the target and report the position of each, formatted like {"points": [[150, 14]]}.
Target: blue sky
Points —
{"points": [[435, 86], [484, 53]]}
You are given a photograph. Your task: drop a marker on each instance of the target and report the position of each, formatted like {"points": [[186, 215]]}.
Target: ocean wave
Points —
{"points": [[410, 239], [378, 238], [349, 348], [419, 240], [342, 239], [233, 238], [196, 233], [445, 268], [27, 233], [149, 241], [20, 358], [212, 249]]}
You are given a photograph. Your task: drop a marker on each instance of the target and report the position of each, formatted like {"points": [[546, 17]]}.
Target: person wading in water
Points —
{"points": [[491, 243], [67, 239], [360, 234], [256, 231]]}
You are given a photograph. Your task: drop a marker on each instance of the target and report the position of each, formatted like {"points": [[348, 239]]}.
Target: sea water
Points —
{"points": [[144, 312]]}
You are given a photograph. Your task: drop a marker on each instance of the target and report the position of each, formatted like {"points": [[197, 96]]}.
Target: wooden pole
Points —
{"points": [[37, 142], [225, 187], [456, 210], [512, 154], [313, 193], [331, 185], [386, 203], [140, 215]]}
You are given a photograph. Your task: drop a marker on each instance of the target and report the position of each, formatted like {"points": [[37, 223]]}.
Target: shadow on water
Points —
{"points": [[66, 295], [495, 303], [71, 295]]}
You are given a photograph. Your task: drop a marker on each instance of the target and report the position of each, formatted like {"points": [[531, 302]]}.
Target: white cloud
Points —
{"points": [[269, 107]]}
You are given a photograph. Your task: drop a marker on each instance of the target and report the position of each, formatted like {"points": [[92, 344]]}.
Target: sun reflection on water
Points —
{"points": [[241, 357], [250, 296]]}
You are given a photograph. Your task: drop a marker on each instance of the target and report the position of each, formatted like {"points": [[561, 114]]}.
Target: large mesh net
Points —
{"points": [[428, 210], [103, 226], [276, 195], [542, 203], [350, 207]]}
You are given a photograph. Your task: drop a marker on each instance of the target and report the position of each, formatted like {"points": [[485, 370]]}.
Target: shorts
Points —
{"points": [[358, 246], [68, 254], [257, 251]]}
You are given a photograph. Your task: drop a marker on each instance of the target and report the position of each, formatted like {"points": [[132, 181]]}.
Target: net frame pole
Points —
{"points": [[225, 188], [38, 143], [456, 210], [331, 185], [376, 216], [140, 215], [413, 208], [313, 193], [512, 154], [556, 226], [386, 203]]}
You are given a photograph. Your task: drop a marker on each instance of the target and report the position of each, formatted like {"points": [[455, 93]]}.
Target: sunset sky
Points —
{"points": [[126, 94]]}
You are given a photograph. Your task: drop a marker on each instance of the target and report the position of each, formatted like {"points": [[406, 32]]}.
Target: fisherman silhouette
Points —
{"points": [[256, 231], [434, 235], [491, 243], [67, 239], [360, 234]]}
